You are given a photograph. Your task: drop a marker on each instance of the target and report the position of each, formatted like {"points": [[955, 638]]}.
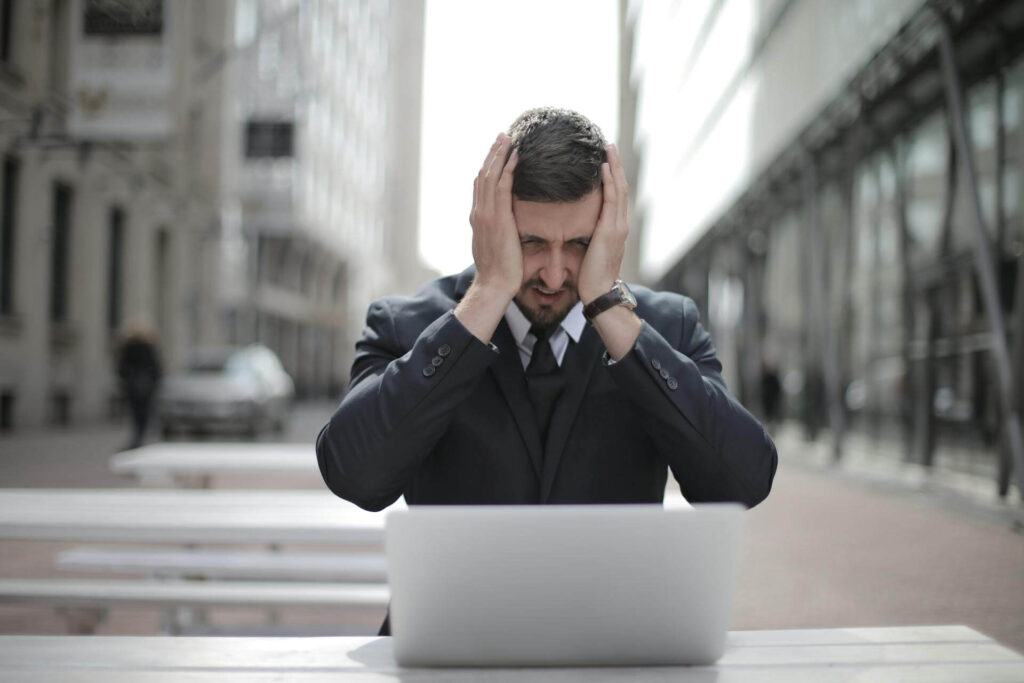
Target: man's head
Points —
{"points": [[556, 200]]}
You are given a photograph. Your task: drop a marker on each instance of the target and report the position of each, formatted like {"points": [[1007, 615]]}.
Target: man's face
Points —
{"points": [[554, 237]]}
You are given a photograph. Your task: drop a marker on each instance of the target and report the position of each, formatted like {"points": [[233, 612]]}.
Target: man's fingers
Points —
{"points": [[490, 155], [621, 185], [507, 176], [488, 160], [615, 164], [610, 192], [483, 186], [496, 161]]}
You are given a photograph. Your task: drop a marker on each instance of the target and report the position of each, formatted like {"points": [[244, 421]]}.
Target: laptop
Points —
{"points": [[586, 585]]}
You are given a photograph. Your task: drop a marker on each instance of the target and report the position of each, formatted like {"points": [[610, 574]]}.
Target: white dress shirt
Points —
{"points": [[571, 327]]}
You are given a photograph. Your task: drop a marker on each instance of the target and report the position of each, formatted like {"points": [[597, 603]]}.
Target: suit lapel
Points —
{"points": [[508, 371], [578, 365]]}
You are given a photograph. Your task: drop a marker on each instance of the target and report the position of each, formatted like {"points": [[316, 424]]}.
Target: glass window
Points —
{"points": [[9, 212], [115, 268], [783, 289], [1013, 172], [60, 256], [927, 161], [269, 139], [981, 121]]}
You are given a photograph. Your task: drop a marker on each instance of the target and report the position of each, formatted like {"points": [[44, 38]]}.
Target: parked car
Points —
{"points": [[227, 388]]}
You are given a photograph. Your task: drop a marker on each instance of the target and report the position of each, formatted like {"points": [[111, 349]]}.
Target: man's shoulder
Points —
{"points": [[655, 303], [673, 315], [429, 301]]}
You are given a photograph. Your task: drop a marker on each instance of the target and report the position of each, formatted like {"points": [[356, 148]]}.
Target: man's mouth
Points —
{"points": [[547, 295]]}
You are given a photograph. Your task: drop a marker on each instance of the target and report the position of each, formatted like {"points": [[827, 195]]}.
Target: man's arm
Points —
{"points": [[715, 448], [496, 250], [618, 327], [399, 405], [402, 399]]}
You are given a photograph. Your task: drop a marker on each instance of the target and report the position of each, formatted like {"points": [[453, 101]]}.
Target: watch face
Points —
{"points": [[626, 297]]}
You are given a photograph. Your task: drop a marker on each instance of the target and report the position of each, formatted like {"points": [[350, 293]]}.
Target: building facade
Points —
{"points": [[321, 150], [99, 226], [224, 172], [844, 205]]}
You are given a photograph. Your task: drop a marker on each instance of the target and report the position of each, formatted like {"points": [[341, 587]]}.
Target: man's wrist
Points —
{"points": [[493, 291], [588, 294], [619, 329], [482, 308], [618, 294]]}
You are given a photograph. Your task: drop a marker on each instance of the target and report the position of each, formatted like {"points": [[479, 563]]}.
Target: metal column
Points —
{"points": [[983, 256], [820, 301]]}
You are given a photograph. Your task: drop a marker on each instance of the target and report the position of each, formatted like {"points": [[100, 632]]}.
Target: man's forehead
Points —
{"points": [[565, 220]]}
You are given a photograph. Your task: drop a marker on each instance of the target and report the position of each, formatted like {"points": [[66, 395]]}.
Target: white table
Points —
{"points": [[923, 653], [195, 464], [267, 517]]}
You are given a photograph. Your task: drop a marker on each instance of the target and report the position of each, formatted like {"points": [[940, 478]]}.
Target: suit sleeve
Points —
{"points": [[400, 402], [716, 449]]}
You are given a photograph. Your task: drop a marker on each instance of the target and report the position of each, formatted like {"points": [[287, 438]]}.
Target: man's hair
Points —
{"points": [[560, 155]]}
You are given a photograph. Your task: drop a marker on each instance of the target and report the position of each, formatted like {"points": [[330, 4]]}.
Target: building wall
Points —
{"points": [[62, 370], [729, 83], [846, 221], [216, 249], [309, 239]]}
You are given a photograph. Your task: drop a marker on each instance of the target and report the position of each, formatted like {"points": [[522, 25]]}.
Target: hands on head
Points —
{"points": [[603, 261], [498, 249]]}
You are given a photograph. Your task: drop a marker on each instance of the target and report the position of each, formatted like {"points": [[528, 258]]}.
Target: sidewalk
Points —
{"points": [[832, 546], [881, 465], [843, 546]]}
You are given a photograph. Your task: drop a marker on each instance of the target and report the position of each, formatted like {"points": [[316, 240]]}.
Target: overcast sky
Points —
{"points": [[484, 63]]}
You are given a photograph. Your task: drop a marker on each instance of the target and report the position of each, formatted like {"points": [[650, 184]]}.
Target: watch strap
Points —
{"points": [[615, 297]]}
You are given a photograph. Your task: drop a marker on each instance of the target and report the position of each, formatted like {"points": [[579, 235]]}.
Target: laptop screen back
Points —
{"points": [[561, 585]]}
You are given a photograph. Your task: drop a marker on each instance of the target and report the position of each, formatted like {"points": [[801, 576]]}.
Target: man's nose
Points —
{"points": [[553, 273]]}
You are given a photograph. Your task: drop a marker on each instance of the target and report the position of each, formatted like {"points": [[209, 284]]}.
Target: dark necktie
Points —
{"points": [[544, 380]]}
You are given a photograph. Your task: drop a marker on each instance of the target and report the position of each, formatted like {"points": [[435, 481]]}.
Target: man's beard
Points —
{"points": [[546, 316]]}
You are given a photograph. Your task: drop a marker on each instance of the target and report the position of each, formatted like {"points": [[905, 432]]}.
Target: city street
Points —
{"points": [[827, 549]]}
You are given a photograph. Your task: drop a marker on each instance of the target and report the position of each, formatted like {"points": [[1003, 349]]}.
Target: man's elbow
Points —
{"points": [[760, 483], [357, 488]]}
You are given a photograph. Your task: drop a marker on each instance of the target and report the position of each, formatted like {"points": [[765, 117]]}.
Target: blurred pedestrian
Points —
{"points": [[139, 371], [771, 395]]}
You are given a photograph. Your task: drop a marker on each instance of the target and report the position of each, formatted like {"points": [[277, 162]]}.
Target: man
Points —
{"points": [[139, 371], [491, 387]]}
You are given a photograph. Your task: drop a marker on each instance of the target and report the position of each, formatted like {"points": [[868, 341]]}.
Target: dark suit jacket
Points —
{"points": [[439, 417]]}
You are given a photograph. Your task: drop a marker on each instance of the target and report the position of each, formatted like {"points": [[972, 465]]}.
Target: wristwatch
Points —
{"points": [[618, 296]]}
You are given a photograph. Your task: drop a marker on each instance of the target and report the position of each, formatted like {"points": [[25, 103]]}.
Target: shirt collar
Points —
{"points": [[573, 322]]}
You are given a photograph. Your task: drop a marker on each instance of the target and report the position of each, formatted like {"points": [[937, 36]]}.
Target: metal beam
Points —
{"points": [[982, 253], [819, 317]]}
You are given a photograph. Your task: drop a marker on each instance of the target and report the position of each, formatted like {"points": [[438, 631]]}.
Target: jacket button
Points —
{"points": [[672, 383], [656, 364], [429, 370], [444, 350], [664, 373], [436, 361]]}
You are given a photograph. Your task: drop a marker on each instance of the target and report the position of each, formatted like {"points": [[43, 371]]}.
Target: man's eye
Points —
{"points": [[581, 245]]}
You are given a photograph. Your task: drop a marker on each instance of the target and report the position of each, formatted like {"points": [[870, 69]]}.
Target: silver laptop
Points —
{"points": [[561, 585]]}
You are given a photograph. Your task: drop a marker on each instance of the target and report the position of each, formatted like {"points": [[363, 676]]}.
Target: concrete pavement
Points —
{"points": [[828, 548]]}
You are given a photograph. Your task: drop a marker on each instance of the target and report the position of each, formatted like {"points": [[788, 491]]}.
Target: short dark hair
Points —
{"points": [[560, 155]]}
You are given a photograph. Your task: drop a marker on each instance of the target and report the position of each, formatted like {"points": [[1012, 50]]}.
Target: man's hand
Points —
{"points": [[601, 265], [619, 327], [496, 250]]}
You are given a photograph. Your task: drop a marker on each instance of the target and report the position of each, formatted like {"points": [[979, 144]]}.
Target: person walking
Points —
{"points": [[139, 372]]}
